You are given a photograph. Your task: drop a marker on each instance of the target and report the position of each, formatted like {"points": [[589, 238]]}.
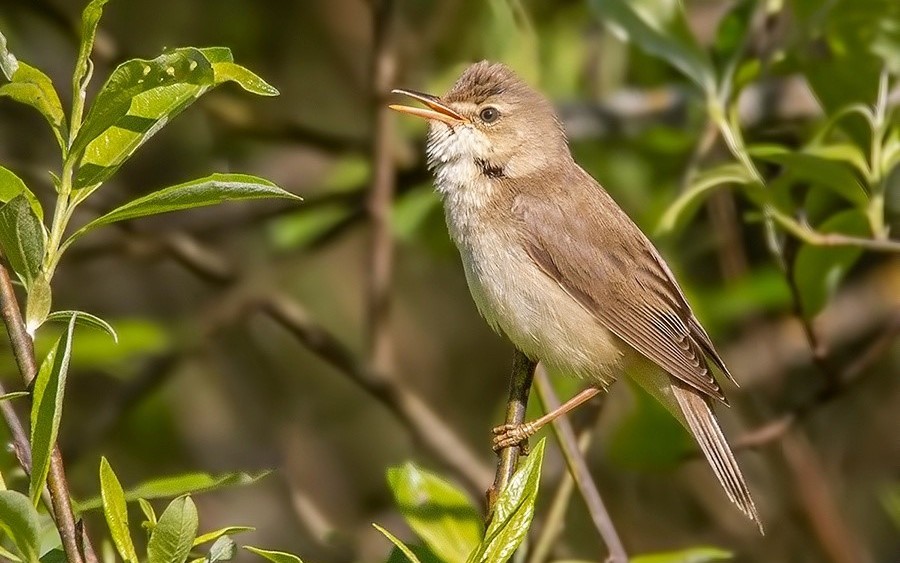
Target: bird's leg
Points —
{"points": [[517, 434]]}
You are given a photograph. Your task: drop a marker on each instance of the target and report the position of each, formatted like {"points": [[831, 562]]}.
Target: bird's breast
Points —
{"points": [[518, 299]]}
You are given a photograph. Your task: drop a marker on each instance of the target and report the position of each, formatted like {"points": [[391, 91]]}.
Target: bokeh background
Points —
{"points": [[299, 338]]}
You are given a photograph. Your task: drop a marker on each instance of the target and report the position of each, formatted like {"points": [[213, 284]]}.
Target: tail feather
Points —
{"points": [[703, 425]]}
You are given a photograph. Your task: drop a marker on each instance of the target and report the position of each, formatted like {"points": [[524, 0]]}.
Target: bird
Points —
{"points": [[555, 265]]}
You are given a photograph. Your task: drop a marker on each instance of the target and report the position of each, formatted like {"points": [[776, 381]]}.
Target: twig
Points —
{"points": [[23, 350], [519, 388], [580, 471], [378, 205], [555, 519]]}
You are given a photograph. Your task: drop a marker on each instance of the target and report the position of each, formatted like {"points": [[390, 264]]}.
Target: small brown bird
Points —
{"points": [[554, 264]]}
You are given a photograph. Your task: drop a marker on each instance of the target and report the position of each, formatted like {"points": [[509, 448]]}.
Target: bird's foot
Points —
{"points": [[507, 435]]}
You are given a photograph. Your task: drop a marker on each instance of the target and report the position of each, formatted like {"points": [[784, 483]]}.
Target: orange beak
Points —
{"points": [[437, 109]]}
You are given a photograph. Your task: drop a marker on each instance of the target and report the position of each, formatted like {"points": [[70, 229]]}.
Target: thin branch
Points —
{"points": [[23, 350], [580, 471], [810, 236], [381, 195], [519, 388], [555, 519]]}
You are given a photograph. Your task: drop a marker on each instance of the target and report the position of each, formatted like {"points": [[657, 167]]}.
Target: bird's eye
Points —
{"points": [[489, 114]]}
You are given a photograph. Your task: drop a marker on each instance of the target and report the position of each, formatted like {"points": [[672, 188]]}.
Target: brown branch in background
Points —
{"points": [[554, 523], [23, 350], [381, 195], [579, 470], [519, 388]]}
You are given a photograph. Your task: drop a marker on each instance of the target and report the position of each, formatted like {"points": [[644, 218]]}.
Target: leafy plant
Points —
{"points": [[137, 100]]}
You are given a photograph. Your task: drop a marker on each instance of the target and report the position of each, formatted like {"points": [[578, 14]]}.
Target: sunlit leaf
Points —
{"points": [[177, 485], [46, 410], [513, 511], [84, 319], [816, 169], [211, 190], [215, 535], [13, 395], [12, 186], [274, 556], [659, 27], [149, 513], [225, 70], [116, 512], [8, 62], [439, 513], [137, 100], [819, 269], [406, 551], [223, 549], [174, 534], [22, 238], [510, 37], [38, 303], [19, 521], [90, 17], [691, 555], [307, 226], [33, 88], [682, 209]]}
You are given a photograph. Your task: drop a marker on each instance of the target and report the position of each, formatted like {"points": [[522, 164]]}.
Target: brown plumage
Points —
{"points": [[554, 264]]}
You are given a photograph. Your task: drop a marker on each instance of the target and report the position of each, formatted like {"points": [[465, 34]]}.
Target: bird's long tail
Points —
{"points": [[702, 423]]}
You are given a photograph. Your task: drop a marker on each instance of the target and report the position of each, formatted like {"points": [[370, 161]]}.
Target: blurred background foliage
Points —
{"points": [[201, 381]]}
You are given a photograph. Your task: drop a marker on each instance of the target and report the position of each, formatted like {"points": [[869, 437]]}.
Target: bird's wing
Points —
{"points": [[601, 259]]}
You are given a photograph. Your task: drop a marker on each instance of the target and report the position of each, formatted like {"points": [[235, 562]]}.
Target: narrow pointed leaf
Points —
{"points": [[116, 512], [12, 186], [274, 556], [439, 513], [33, 88], [168, 487], [22, 238], [90, 17], [225, 70], [400, 545], [38, 303], [211, 190], [84, 319], [137, 100], [174, 534], [513, 512], [690, 555], [683, 208], [19, 522], [46, 410], [215, 535], [659, 27], [14, 395]]}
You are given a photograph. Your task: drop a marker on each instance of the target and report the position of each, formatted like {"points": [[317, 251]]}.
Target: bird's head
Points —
{"points": [[492, 118]]}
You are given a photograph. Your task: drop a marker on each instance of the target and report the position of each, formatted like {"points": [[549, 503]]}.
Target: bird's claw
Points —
{"points": [[507, 435]]}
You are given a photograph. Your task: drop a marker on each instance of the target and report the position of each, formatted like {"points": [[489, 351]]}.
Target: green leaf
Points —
{"points": [[178, 485], [818, 170], [510, 37], [648, 437], [20, 522], [424, 555], [683, 209], [818, 270], [37, 305], [174, 534], [227, 531], [411, 210], [222, 550], [307, 226], [410, 556], [8, 62], [138, 99], [13, 395], [12, 186], [116, 512], [225, 70], [890, 499], [33, 88], [196, 193], [46, 410], [437, 512], [149, 513], [275, 556], [691, 555], [22, 238], [9, 554], [54, 556], [659, 27], [512, 512], [84, 319], [90, 17]]}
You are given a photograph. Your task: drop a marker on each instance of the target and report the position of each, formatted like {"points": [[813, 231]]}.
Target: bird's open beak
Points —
{"points": [[438, 110]]}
